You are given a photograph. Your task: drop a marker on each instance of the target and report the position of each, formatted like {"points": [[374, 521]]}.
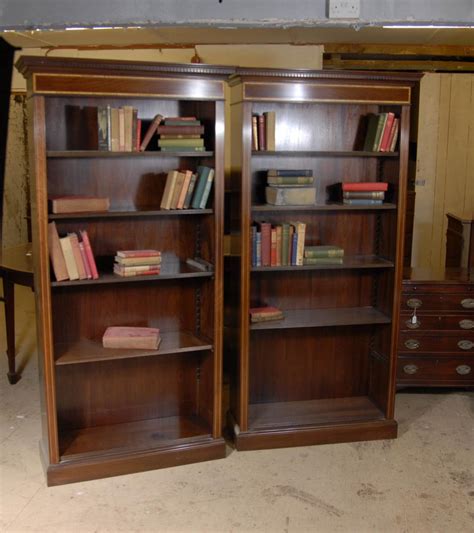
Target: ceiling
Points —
{"points": [[175, 36]]}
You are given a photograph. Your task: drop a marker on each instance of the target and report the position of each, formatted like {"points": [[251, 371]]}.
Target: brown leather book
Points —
{"points": [[150, 132]]}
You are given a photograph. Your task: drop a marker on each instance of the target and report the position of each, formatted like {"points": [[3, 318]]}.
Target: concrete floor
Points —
{"points": [[423, 481]]}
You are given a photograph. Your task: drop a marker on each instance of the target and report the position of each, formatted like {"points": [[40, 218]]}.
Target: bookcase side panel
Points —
{"points": [[37, 144]]}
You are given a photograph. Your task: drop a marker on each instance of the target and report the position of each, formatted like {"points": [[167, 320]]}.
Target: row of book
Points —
{"points": [[129, 263], [71, 256], [263, 131], [323, 255], [279, 245], [131, 337], [185, 189], [118, 129], [290, 187], [382, 132]]}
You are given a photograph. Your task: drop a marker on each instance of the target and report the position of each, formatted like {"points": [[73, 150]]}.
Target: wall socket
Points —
{"points": [[343, 9]]}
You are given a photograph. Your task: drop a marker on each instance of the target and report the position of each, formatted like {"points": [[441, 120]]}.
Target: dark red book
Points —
{"points": [[150, 132], [262, 144], [365, 186], [181, 130], [385, 142], [266, 231]]}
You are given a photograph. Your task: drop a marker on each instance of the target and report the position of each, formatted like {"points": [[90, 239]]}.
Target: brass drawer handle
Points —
{"points": [[412, 344], [411, 325], [463, 370], [465, 345], [410, 369], [468, 303], [414, 303], [466, 324]]}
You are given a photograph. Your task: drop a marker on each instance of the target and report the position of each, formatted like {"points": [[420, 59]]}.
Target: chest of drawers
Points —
{"points": [[436, 329]]}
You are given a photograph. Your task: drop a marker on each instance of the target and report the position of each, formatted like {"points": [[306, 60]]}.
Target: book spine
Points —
{"points": [[294, 247], [121, 117], [289, 180], [374, 195], [323, 260], [181, 130], [56, 253], [323, 253], [184, 189], [253, 244], [89, 254], [384, 143], [394, 136], [265, 230], [169, 189], [71, 267], [278, 245], [103, 143], [300, 243], [203, 173], [270, 130], [365, 186], [255, 132], [109, 128], [378, 135], [261, 132], [85, 261], [273, 247], [284, 244], [207, 189], [258, 248], [288, 173], [81, 270], [189, 194], [362, 201], [290, 245]]}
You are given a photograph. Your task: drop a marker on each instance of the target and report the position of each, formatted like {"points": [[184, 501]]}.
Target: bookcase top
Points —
{"points": [[28, 65]]}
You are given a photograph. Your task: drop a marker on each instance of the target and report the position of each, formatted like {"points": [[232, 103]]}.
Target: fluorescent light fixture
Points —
{"points": [[77, 28], [102, 27], [426, 26]]}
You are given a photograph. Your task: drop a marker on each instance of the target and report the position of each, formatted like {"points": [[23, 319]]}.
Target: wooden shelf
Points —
{"points": [[88, 351], [265, 208], [132, 436], [175, 270], [105, 154], [318, 318], [131, 214], [322, 153], [349, 262], [310, 413]]}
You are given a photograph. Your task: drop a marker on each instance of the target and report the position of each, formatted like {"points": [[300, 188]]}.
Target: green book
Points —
{"points": [[285, 235], [323, 261], [289, 180], [323, 251], [378, 135], [176, 148], [182, 122], [203, 174], [181, 142]]}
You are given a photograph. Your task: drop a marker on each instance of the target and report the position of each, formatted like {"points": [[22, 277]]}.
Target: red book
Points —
{"points": [[273, 252], [365, 186], [262, 145], [138, 253], [384, 143], [89, 254], [131, 337], [85, 261], [393, 136], [150, 132], [265, 230], [181, 130]]}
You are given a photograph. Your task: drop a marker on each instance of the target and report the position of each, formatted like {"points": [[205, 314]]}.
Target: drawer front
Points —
{"points": [[452, 302], [425, 322], [431, 369], [415, 342]]}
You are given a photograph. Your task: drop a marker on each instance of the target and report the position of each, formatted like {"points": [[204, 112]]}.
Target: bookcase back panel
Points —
{"points": [[326, 171], [169, 306], [313, 126], [309, 364], [312, 290], [177, 236], [69, 128], [113, 392]]}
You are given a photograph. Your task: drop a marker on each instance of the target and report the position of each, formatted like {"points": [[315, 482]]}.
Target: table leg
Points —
{"points": [[9, 296]]}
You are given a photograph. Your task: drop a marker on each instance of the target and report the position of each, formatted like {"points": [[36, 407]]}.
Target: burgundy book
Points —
{"points": [[262, 145]]}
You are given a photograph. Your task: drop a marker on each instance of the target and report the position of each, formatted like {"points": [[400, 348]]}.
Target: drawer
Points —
{"points": [[419, 341], [461, 323], [453, 302], [423, 370]]}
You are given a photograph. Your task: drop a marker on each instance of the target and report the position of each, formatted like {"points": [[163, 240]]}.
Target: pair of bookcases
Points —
{"points": [[323, 374]]}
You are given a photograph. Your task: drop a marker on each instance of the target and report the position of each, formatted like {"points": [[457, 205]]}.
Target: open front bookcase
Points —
{"points": [[114, 411], [325, 373]]}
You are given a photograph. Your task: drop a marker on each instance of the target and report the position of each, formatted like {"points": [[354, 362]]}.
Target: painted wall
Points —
{"points": [[445, 163]]}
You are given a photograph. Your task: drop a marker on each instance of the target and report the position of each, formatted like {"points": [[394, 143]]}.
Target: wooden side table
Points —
{"points": [[16, 267]]}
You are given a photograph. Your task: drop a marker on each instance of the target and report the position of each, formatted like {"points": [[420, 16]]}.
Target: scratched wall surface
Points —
{"points": [[16, 187]]}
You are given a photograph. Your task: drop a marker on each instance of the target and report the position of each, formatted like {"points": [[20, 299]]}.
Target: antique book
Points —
{"points": [[365, 186], [290, 195], [207, 189], [68, 254], [56, 254], [81, 269], [169, 189], [289, 172], [374, 195], [138, 253], [150, 132], [289, 180], [135, 261], [131, 337], [270, 132], [323, 251], [78, 204], [89, 254], [189, 193]]}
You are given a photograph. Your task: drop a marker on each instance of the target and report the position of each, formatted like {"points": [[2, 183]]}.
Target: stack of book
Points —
{"points": [[137, 263], [71, 256], [281, 245], [186, 189], [382, 132], [290, 187], [324, 254], [131, 338], [263, 131], [78, 204], [264, 314], [364, 193], [181, 134]]}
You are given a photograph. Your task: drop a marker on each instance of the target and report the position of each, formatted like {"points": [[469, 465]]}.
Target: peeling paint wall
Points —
{"points": [[16, 188]]}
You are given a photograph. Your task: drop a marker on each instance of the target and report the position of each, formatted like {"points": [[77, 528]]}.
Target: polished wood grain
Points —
{"points": [[338, 337], [118, 411]]}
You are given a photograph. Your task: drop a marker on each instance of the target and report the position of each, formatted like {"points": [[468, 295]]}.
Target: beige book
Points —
{"points": [[81, 269], [56, 253], [114, 130], [177, 190], [69, 258], [270, 130], [169, 189], [184, 189], [128, 127]]}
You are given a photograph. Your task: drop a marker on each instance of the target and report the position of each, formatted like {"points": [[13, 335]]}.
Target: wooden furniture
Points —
{"points": [[326, 373], [436, 332], [109, 412], [459, 242], [16, 268]]}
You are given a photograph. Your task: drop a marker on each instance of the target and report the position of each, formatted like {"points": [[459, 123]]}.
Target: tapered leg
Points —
{"points": [[9, 296]]}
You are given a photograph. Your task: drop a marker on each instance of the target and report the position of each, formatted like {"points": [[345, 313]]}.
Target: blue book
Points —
{"points": [[361, 201], [207, 189], [294, 247], [258, 248], [203, 173]]}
